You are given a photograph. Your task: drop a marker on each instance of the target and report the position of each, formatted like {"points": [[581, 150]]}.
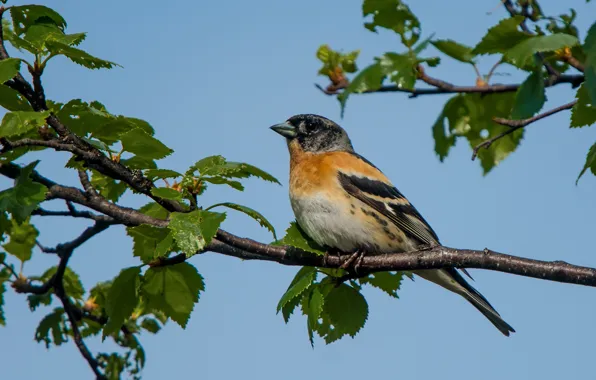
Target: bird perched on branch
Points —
{"points": [[343, 202]]}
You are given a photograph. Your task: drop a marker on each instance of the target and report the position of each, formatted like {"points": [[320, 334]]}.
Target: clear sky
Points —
{"points": [[211, 77]]}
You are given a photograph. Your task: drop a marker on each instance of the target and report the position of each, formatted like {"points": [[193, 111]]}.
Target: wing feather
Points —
{"points": [[391, 203]]}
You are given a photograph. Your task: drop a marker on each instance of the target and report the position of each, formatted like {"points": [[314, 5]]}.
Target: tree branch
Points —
{"points": [[247, 249], [518, 124], [442, 87]]}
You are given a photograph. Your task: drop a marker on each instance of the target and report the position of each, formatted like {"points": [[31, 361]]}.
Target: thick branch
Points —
{"points": [[518, 124], [247, 249]]}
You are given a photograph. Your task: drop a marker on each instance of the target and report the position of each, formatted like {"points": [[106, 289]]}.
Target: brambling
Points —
{"points": [[343, 202]]}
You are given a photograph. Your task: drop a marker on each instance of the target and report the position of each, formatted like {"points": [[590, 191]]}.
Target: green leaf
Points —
{"points": [[583, 112], [590, 163], [173, 290], [530, 97], [400, 68], [368, 79], [521, 53], [51, 329], [108, 187], [142, 144], [452, 113], [301, 282], [316, 301], [250, 212], [72, 283], [224, 181], [166, 193], [18, 122], [9, 67], [36, 300], [297, 238], [218, 166], [154, 174], [389, 282], [502, 37], [393, 15], [122, 299], [194, 230], [79, 56], [346, 310], [455, 50], [24, 16], [22, 240], [146, 240], [24, 197], [151, 325], [155, 210], [589, 49], [12, 100]]}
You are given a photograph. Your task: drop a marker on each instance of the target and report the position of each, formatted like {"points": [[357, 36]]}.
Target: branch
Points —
{"points": [[247, 249], [75, 214], [442, 87], [518, 124]]}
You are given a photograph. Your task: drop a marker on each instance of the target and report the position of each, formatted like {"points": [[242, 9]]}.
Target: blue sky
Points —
{"points": [[211, 77]]}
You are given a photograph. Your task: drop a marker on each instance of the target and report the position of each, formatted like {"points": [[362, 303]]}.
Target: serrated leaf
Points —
{"points": [[154, 174], [155, 210], [24, 197], [583, 112], [147, 240], [502, 37], [316, 302], [445, 139], [400, 68], [301, 282], [218, 166], [50, 329], [346, 310], [142, 144], [166, 193], [530, 97], [522, 52], [297, 238], [12, 100], [173, 290], [250, 212], [108, 187], [24, 16], [79, 56], [194, 230], [9, 67], [72, 283], [455, 50], [22, 240], [388, 282], [36, 300], [18, 122], [224, 181], [589, 48], [368, 79], [122, 299], [590, 163], [393, 15]]}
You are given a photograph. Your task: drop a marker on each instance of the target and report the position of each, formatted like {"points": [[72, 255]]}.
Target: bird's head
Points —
{"points": [[314, 134]]}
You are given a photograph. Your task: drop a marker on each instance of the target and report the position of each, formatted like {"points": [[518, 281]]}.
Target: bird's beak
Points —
{"points": [[285, 129]]}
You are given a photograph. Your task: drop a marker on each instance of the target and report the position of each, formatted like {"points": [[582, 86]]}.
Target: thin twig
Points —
{"points": [[517, 124], [443, 87], [86, 182], [75, 214]]}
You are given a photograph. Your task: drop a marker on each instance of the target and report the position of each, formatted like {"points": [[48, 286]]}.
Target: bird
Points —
{"points": [[345, 203]]}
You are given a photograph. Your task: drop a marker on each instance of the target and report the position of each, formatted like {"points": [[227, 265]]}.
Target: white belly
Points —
{"points": [[333, 225]]}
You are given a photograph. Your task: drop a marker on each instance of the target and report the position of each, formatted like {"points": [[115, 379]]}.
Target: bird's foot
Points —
{"points": [[355, 259], [330, 251], [427, 247]]}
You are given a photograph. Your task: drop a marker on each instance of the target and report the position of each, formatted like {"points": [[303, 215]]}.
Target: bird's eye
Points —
{"points": [[309, 127]]}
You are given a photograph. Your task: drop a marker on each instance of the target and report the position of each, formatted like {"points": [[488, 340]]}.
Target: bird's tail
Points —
{"points": [[452, 280]]}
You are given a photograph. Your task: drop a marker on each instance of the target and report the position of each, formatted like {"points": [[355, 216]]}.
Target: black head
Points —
{"points": [[314, 133]]}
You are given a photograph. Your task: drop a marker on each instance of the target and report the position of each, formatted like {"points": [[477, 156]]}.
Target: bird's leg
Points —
{"points": [[355, 259]]}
